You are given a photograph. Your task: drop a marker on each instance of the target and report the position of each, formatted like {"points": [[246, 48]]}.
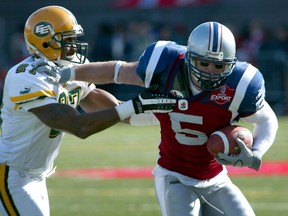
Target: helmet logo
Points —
{"points": [[42, 29], [218, 55]]}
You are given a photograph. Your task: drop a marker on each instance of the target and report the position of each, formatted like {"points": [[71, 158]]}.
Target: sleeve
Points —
{"points": [[143, 119], [28, 90], [159, 62], [265, 128], [250, 90], [254, 97], [86, 89]]}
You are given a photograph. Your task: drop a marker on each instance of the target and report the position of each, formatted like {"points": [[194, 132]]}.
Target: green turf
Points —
{"points": [[124, 145]]}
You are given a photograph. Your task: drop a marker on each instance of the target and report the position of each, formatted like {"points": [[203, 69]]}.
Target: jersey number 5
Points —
{"points": [[185, 135]]}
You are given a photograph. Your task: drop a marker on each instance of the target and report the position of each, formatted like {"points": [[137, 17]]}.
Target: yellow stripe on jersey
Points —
{"points": [[5, 196], [16, 107], [32, 95]]}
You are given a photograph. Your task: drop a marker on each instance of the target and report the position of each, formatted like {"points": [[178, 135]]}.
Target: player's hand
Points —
{"points": [[246, 157], [151, 101], [55, 73], [42, 65]]}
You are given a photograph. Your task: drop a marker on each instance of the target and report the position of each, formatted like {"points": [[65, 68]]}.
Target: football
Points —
{"points": [[224, 140]]}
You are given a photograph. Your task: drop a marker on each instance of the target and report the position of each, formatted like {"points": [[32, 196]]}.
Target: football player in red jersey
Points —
{"points": [[214, 90]]}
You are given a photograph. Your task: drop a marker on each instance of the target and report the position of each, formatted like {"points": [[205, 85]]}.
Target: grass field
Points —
{"points": [[127, 146]]}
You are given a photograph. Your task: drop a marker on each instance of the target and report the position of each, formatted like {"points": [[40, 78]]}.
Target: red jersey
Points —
{"points": [[185, 130]]}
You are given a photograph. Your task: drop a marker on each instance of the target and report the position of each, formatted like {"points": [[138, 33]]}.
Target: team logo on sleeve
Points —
{"points": [[222, 95], [182, 103]]}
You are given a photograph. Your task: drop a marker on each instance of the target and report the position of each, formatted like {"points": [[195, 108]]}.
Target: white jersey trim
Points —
{"points": [[158, 49], [241, 89]]}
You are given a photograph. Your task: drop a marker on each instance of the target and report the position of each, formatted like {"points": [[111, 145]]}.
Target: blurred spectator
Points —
{"points": [[278, 40], [163, 32], [121, 46], [140, 36], [18, 50], [181, 33], [251, 41], [101, 49], [273, 58]]}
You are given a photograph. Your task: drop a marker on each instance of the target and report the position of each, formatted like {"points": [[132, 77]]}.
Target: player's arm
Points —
{"points": [[143, 72], [66, 118], [134, 73], [98, 99], [94, 72], [107, 72], [143, 119], [265, 128]]}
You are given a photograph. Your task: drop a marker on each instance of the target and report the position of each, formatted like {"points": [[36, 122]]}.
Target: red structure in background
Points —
{"points": [[157, 3]]}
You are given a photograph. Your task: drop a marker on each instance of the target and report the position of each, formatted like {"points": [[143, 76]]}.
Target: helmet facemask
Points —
{"points": [[207, 80], [72, 50]]}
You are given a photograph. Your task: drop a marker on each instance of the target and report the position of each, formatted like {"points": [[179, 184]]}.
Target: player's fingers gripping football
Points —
{"points": [[249, 157], [244, 158], [150, 100], [242, 145], [222, 161]]}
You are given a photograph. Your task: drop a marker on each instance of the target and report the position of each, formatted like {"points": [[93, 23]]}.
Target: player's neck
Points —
{"points": [[195, 90]]}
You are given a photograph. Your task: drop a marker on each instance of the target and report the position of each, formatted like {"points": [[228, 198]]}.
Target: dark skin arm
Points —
{"points": [[98, 99], [65, 118], [104, 100]]}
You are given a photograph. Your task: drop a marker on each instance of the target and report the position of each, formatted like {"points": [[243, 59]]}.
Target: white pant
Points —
{"points": [[22, 194], [223, 198]]}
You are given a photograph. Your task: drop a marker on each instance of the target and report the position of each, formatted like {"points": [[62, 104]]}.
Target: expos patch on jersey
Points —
{"points": [[222, 95]]}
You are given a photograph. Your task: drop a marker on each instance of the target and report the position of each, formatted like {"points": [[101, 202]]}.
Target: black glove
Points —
{"points": [[151, 101]]}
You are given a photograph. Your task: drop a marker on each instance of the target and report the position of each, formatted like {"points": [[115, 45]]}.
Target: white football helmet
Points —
{"points": [[51, 32], [210, 42]]}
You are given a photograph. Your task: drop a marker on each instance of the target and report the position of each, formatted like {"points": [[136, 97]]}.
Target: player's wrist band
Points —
{"points": [[72, 74], [67, 74], [116, 71], [125, 110]]}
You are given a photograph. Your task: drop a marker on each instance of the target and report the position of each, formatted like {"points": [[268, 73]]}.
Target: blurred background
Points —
{"points": [[122, 29]]}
